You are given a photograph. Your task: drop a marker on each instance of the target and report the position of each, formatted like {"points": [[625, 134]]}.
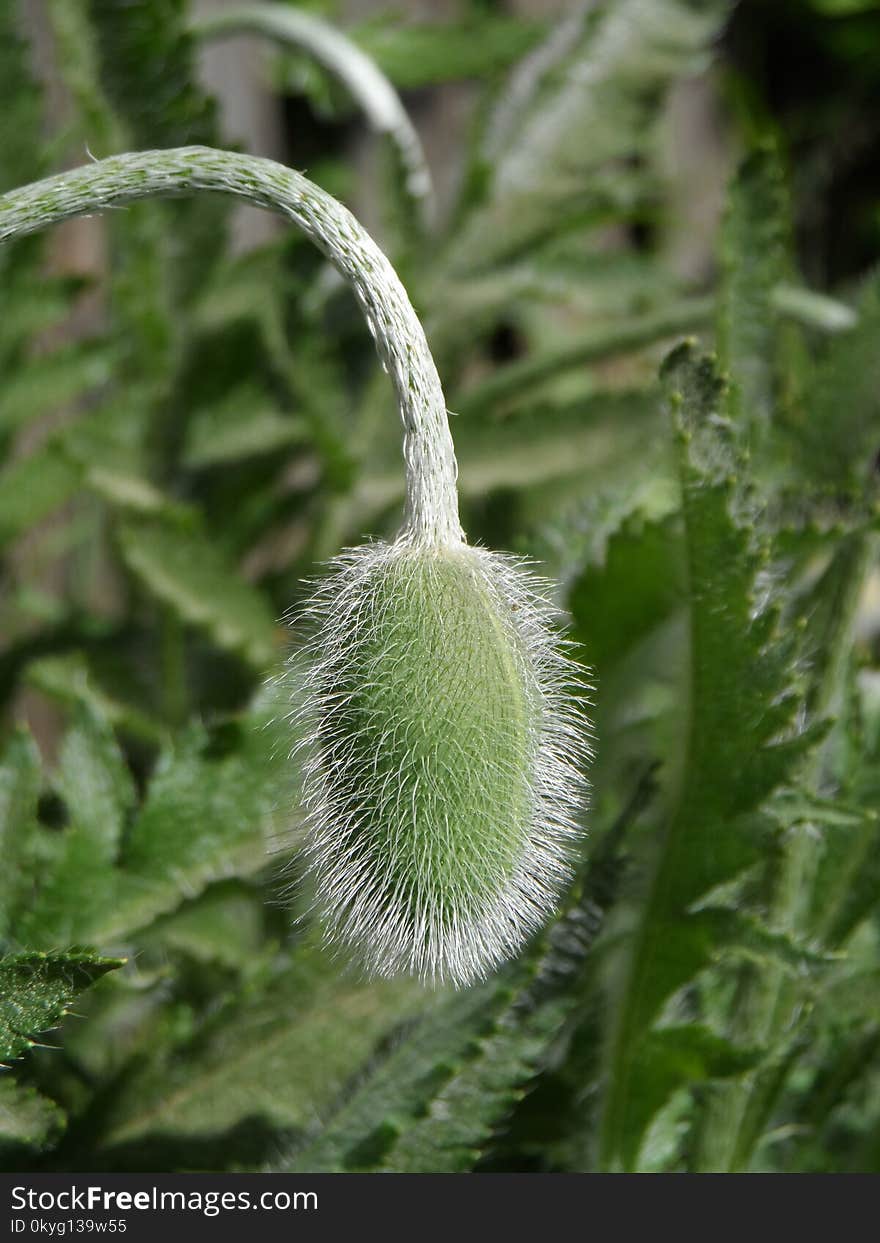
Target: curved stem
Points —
{"points": [[432, 500], [341, 57]]}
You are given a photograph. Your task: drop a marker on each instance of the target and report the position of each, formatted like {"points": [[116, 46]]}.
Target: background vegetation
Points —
{"points": [[190, 423]]}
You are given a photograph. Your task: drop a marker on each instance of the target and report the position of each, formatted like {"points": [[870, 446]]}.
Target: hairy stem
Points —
{"points": [[341, 57], [432, 501]]}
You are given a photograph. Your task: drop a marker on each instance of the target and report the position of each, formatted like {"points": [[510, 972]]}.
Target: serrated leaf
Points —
{"points": [[94, 452], [214, 808], [846, 883], [843, 1077], [36, 991], [741, 742], [434, 1097], [802, 896], [98, 792], [108, 448], [737, 932], [459, 1119], [365, 1126], [798, 806], [641, 581], [742, 739], [536, 445], [71, 891], [209, 815], [190, 574]]}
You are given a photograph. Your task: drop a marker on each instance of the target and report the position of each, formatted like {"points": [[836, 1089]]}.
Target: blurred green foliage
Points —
{"points": [[187, 431]]}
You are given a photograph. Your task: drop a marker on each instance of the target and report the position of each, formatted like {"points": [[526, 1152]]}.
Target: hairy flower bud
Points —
{"points": [[442, 777]]}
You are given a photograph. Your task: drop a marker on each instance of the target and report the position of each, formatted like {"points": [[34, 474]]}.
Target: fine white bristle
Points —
{"points": [[459, 932]]}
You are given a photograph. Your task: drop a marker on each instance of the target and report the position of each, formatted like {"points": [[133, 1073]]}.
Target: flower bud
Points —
{"points": [[443, 776]]}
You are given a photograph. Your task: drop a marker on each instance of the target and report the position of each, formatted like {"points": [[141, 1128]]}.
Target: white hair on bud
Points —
{"points": [[384, 928]]}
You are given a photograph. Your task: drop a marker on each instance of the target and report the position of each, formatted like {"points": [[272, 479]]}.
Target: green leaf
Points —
{"points": [[37, 990], [99, 794], [835, 434], [20, 784], [739, 933], [280, 1053], [222, 926], [415, 55], [29, 1122], [641, 582], [603, 72], [244, 425], [754, 260], [846, 883], [45, 383], [366, 1124], [538, 444], [840, 1101], [812, 309], [799, 891], [95, 783], [147, 66], [740, 745], [214, 807], [126, 491], [190, 574], [34, 487], [519, 378], [457, 1121], [434, 1097], [69, 680], [672, 1058], [107, 448], [146, 62], [22, 148]]}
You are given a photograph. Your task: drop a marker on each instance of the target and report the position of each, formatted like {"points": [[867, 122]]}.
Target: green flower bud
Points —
{"points": [[443, 776]]}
